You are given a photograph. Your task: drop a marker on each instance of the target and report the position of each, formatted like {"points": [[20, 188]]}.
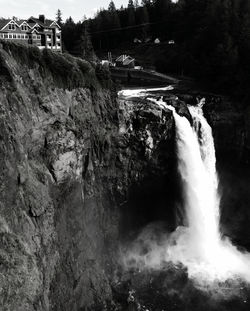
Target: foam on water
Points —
{"points": [[142, 92], [198, 245]]}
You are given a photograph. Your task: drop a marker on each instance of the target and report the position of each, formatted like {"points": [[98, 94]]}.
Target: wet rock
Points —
{"points": [[70, 156]]}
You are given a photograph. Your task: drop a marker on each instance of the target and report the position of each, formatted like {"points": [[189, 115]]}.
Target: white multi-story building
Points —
{"points": [[41, 32]]}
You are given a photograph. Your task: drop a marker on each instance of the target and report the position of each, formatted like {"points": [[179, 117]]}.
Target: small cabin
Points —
{"points": [[125, 61]]}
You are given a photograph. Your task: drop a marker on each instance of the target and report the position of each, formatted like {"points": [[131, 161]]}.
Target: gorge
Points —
{"points": [[83, 173]]}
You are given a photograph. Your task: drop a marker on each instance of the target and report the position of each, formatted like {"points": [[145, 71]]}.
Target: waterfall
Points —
{"points": [[199, 187], [199, 245]]}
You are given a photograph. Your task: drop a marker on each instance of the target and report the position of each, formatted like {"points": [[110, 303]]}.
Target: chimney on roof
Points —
{"points": [[42, 18]]}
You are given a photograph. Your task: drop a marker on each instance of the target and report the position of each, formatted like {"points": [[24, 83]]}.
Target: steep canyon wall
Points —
{"points": [[72, 157], [82, 171]]}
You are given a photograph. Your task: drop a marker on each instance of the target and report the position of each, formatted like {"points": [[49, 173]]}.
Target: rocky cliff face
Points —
{"points": [[82, 171], [56, 212], [73, 163]]}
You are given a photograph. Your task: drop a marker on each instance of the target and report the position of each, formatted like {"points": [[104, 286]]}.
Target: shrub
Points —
{"points": [[67, 71]]}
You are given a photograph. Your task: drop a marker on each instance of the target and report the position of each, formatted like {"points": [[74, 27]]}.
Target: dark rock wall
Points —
{"points": [[57, 207], [73, 163], [148, 149], [82, 171], [231, 129]]}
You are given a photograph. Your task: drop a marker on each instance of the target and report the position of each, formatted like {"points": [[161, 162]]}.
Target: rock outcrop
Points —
{"points": [[231, 128], [82, 171], [57, 216], [75, 164]]}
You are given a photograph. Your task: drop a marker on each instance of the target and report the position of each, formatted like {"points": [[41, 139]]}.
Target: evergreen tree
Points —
{"points": [[111, 6], [83, 47], [145, 2], [59, 17], [69, 34], [142, 18], [131, 13], [131, 4], [212, 37], [136, 4]]}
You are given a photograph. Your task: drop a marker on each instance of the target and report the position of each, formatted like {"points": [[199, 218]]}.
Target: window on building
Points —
{"points": [[19, 36], [22, 36], [12, 26], [26, 37], [10, 36], [14, 36], [5, 36], [1, 35], [39, 37], [58, 44], [24, 27], [49, 44], [34, 37]]}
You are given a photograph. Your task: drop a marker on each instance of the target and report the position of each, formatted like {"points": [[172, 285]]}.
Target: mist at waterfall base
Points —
{"points": [[198, 245]]}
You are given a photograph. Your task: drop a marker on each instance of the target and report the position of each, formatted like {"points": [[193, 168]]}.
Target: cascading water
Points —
{"points": [[199, 187], [198, 245]]}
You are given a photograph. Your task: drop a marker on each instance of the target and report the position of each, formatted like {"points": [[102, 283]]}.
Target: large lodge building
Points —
{"points": [[39, 32]]}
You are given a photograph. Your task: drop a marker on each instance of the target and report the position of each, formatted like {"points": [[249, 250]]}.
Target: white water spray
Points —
{"points": [[142, 92], [199, 245]]}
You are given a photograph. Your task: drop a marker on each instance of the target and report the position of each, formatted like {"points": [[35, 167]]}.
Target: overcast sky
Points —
{"points": [[75, 8]]}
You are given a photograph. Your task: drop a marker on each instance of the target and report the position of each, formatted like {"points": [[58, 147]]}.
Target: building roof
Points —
{"points": [[34, 30], [121, 58], [47, 22], [125, 59], [35, 21], [20, 21], [32, 24], [32, 21], [4, 22], [128, 61]]}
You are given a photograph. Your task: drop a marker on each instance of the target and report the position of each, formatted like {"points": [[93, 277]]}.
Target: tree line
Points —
{"points": [[212, 37]]}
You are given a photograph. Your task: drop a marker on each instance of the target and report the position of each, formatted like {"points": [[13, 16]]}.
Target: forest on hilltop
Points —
{"points": [[212, 37]]}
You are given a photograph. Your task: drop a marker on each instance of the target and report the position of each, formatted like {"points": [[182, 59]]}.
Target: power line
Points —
{"points": [[127, 27]]}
